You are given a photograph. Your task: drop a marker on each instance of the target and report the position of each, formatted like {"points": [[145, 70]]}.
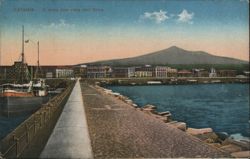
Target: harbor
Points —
{"points": [[67, 115], [114, 127], [124, 79]]}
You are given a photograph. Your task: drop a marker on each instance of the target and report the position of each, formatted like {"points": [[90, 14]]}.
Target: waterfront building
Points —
{"points": [[80, 71], [131, 72], [164, 72], [64, 73], [49, 71], [49, 75], [99, 71], [161, 71], [212, 73], [57, 71], [6, 72], [13, 72], [184, 73], [120, 72], [172, 72], [226, 73], [200, 73], [145, 71]]}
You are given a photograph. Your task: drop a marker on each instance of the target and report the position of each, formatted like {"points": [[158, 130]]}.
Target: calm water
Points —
{"points": [[9, 124], [223, 107]]}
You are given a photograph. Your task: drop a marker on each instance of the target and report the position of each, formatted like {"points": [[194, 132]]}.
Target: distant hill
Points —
{"points": [[172, 56]]}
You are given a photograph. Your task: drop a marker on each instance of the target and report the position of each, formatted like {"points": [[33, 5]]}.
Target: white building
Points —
{"points": [[161, 71], [212, 73], [131, 72], [164, 71], [49, 75], [64, 73]]}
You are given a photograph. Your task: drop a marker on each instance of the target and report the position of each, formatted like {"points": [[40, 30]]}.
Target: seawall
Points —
{"points": [[218, 140], [119, 130]]}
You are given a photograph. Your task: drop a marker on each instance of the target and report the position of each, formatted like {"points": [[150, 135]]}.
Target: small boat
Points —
{"points": [[154, 82], [192, 81], [216, 81], [20, 97]]}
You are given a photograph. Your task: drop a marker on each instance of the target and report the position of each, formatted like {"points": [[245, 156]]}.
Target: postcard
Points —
{"points": [[124, 79]]}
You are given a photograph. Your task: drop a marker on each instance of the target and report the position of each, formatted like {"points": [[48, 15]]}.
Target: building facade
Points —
{"points": [[64, 73], [145, 71], [164, 72], [98, 71], [226, 73], [184, 73], [131, 72], [80, 71], [161, 71], [200, 73], [120, 72], [212, 73]]}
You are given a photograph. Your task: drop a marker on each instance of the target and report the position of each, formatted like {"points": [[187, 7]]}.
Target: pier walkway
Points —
{"points": [[70, 137], [117, 130]]}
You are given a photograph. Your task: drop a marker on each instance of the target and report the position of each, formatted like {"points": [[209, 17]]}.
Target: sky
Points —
{"points": [[79, 31]]}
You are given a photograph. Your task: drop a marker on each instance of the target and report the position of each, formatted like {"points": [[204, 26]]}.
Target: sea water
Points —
{"points": [[222, 107], [8, 124]]}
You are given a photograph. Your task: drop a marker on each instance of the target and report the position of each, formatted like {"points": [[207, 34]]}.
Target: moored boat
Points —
{"points": [[20, 97]]}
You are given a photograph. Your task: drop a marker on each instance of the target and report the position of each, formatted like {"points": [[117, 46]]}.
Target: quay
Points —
{"points": [[70, 137], [93, 124], [168, 80], [118, 130]]}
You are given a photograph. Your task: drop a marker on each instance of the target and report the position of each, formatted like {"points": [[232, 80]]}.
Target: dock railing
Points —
{"points": [[17, 141]]}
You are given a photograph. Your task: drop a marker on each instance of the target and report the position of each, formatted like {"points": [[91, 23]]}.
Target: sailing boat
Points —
{"points": [[22, 97]]}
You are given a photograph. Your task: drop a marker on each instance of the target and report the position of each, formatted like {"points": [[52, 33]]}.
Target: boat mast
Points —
{"points": [[22, 56], [21, 68], [38, 63], [22, 45]]}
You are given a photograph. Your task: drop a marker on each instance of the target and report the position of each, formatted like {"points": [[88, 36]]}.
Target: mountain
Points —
{"points": [[173, 55]]}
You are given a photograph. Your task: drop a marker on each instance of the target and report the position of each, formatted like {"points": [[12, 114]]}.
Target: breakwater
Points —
{"points": [[219, 140], [121, 130], [31, 135], [170, 80]]}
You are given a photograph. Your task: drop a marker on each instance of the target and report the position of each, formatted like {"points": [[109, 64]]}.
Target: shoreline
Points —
{"points": [[167, 81], [220, 140]]}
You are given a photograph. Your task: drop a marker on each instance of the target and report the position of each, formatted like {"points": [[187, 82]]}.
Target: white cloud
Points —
{"points": [[157, 17], [185, 17], [61, 24]]}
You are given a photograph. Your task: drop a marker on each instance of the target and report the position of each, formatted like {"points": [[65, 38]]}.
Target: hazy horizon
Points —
{"points": [[73, 32]]}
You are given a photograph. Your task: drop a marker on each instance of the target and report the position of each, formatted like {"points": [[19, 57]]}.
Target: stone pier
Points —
{"points": [[70, 137]]}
